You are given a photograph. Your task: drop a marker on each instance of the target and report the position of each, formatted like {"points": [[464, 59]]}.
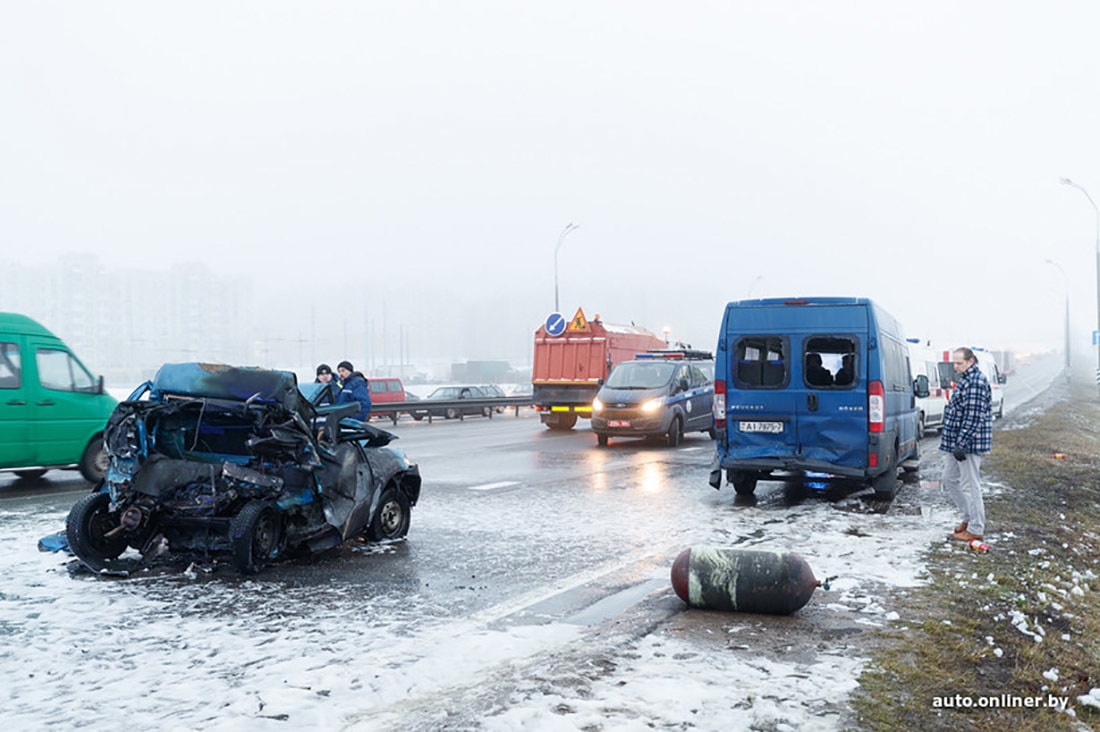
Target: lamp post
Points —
{"points": [[1068, 182], [561, 237], [1066, 278]]}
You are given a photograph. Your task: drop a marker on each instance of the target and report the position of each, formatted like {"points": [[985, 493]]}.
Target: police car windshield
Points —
{"points": [[640, 375]]}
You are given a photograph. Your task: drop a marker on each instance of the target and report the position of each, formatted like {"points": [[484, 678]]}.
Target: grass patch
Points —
{"points": [[991, 630]]}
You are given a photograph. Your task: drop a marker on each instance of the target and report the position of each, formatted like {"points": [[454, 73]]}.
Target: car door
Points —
{"points": [[832, 418], [16, 446], [64, 410], [702, 400]]}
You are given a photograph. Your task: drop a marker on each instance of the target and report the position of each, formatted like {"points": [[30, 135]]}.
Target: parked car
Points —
{"points": [[52, 410], [452, 393], [658, 394], [235, 464]]}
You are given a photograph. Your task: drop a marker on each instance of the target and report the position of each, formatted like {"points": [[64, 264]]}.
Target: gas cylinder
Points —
{"points": [[743, 580]]}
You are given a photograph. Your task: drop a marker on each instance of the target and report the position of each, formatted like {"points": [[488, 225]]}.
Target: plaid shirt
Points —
{"points": [[968, 416]]}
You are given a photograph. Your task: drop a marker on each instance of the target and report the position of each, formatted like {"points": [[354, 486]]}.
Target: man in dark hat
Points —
{"points": [[354, 389], [324, 376]]}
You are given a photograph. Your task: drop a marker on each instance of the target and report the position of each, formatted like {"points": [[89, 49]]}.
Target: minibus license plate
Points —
{"points": [[762, 427]]}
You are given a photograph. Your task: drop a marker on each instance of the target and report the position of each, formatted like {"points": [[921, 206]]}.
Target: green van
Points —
{"points": [[52, 410]]}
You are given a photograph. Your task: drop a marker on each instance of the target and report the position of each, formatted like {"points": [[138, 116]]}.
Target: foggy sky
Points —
{"points": [[414, 163]]}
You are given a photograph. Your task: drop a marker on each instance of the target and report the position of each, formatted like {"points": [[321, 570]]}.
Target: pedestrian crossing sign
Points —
{"points": [[579, 323]]}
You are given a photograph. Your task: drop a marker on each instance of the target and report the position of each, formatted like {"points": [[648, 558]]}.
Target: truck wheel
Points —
{"points": [[255, 534], [744, 483], [393, 517], [675, 432], [93, 463], [565, 422], [601, 439]]}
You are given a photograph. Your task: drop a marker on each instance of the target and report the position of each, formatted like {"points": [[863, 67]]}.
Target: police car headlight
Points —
{"points": [[597, 405], [653, 405]]}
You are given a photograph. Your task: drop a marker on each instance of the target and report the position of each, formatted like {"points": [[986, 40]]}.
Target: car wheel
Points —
{"points": [[712, 433], [87, 529], [393, 517], [451, 413], [255, 534], [675, 432], [886, 484], [601, 440], [743, 483], [93, 463], [417, 417], [486, 412], [31, 474]]}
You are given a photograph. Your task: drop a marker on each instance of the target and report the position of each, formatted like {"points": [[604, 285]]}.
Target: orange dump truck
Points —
{"points": [[568, 368]]}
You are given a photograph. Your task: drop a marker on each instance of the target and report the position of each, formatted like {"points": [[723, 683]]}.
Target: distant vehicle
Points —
{"points": [[385, 390], [52, 410], [492, 390], [992, 374], [569, 368], [819, 385], [451, 393], [924, 361], [236, 464], [658, 394]]}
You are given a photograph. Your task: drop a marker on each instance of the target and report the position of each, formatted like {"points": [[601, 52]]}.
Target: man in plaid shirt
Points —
{"points": [[967, 434]]}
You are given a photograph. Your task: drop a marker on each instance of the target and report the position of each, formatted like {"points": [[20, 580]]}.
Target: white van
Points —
{"points": [[989, 368], [924, 361]]}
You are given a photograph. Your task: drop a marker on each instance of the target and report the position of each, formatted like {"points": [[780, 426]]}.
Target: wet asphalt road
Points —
{"points": [[516, 525]]}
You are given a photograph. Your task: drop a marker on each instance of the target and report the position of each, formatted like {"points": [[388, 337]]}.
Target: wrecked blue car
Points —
{"points": [[229, 464]]}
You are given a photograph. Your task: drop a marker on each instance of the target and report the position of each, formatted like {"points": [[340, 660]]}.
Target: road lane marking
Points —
{"points": [[494, 486]]}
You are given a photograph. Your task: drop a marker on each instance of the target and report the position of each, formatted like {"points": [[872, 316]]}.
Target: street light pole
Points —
{"points": [[561, 237], [1068, 182], [1065, 277]]}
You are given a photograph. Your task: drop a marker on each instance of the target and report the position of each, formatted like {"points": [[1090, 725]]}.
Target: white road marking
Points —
{"points": [[493, 486]]}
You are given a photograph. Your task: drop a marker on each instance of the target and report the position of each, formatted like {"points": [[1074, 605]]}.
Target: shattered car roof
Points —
{"points": [[220, 381]]}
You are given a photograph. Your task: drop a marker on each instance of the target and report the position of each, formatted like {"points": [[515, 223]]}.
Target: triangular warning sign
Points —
{"points": [[579, 323]]}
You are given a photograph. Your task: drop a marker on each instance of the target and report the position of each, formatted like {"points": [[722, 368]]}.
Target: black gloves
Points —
{"points": [[959, 455]]}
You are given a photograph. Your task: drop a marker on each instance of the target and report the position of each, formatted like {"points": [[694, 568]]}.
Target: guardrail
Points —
{"points": [[438, 408]]}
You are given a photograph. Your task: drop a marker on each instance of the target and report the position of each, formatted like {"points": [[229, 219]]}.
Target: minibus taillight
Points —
{"points": [[719, 405], [876, 407]]}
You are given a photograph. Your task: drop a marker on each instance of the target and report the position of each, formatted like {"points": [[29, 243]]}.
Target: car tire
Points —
{"points": [[885, 484], [601, 440], [86, 529], [392, 518], [31, 474], [451, 413], [712, 433], [256, 535], [744, 483], [94, 461], [675, 432]]}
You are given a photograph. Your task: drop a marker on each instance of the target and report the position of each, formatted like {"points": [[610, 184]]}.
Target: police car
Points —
{"points": [[658, 394]]}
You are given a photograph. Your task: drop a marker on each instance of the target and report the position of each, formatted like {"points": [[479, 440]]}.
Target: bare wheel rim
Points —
{"points": [[391, 517]]}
